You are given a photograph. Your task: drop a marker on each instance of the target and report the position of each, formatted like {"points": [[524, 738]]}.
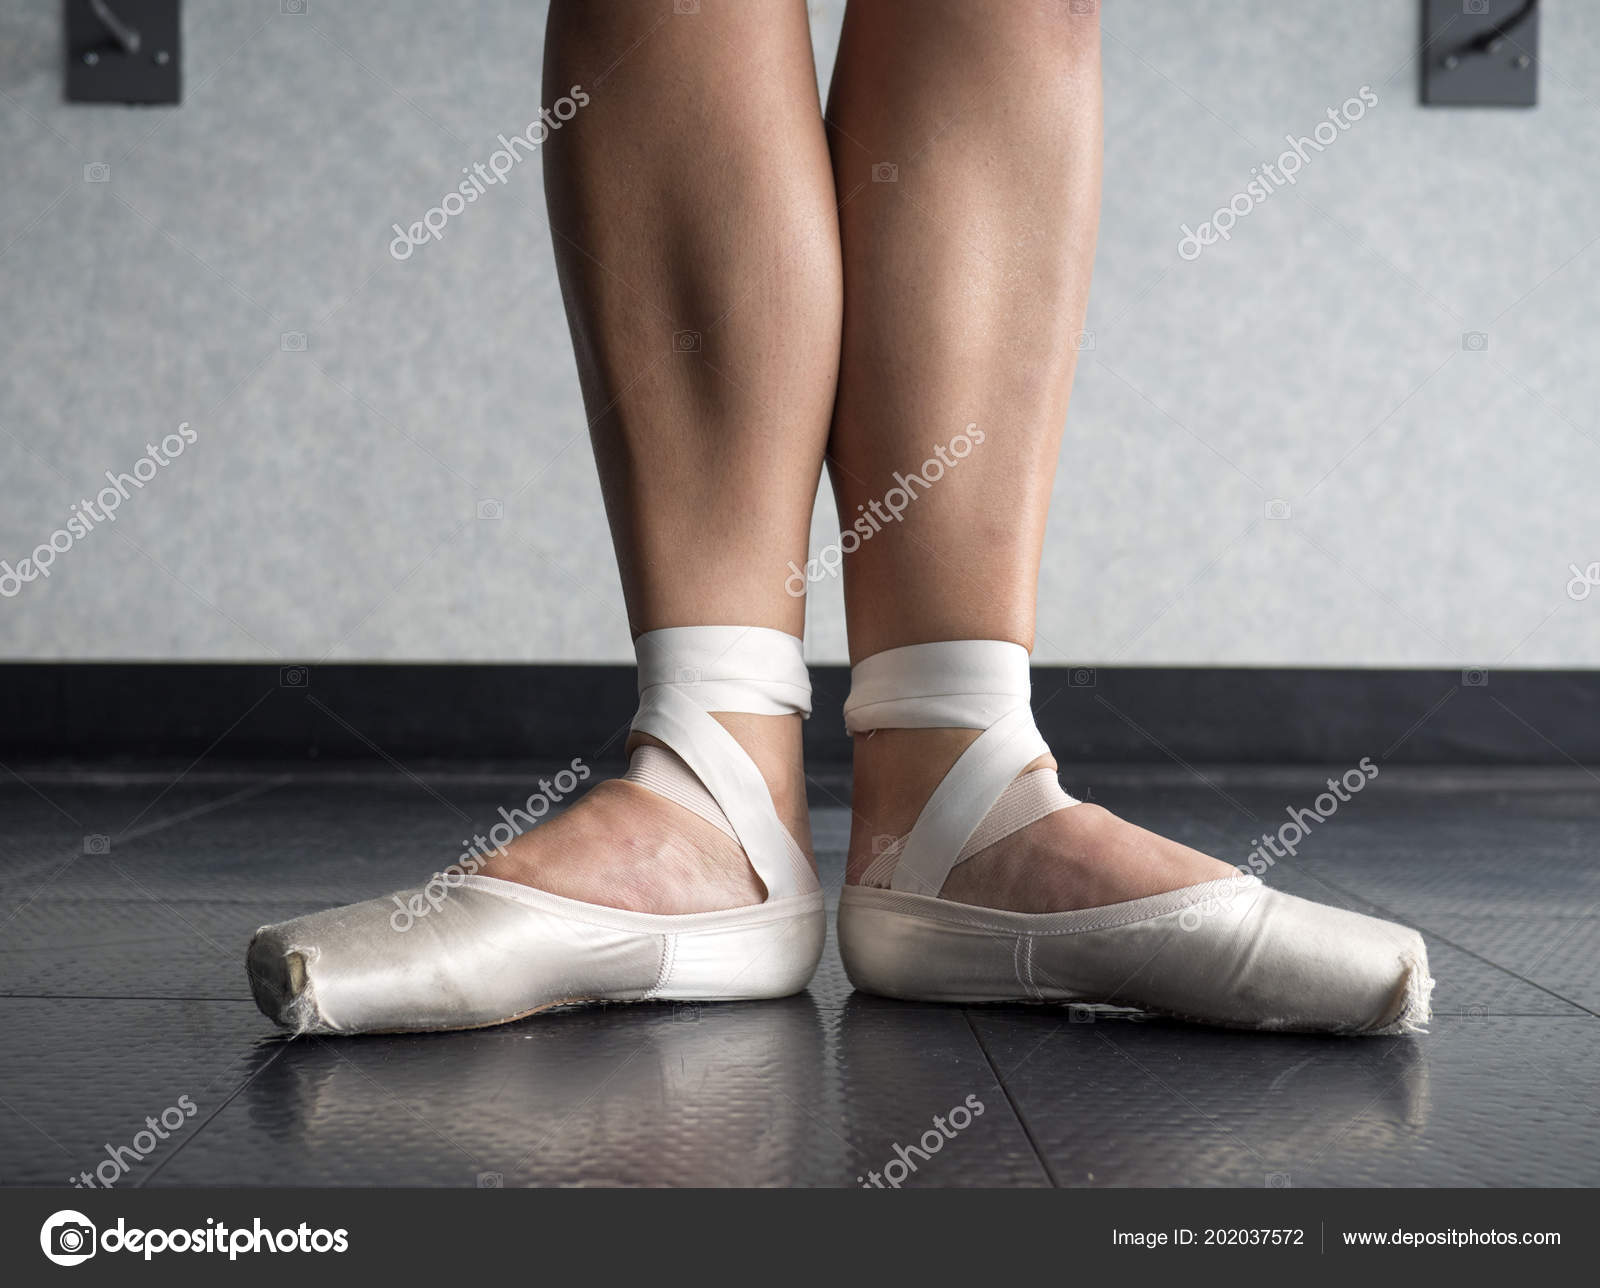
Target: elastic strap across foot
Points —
{"points": [[1027, 800], [961, 684], [688, 672], [657, 770]]}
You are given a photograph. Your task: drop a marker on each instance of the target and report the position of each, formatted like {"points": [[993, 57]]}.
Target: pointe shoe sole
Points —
{"points": [[1232, 953], [489, 952]]}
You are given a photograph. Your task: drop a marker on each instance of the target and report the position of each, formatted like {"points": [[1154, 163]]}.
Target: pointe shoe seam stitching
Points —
{"points": [[1022, 963], [669, 955]]}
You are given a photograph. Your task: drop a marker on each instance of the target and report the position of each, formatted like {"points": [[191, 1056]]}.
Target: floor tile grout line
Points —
{"points": [[211, 1118], [45, 884], [1016, 1110], [1461, 948], [262, 786], [1581, 1015], [107, 997]]}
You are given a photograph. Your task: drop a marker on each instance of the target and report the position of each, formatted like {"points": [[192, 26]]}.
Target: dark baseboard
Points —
{"points": [[411, 711]]}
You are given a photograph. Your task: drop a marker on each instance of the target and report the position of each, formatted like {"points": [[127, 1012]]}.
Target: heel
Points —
{"points": [[769, 951], [923, 956]]}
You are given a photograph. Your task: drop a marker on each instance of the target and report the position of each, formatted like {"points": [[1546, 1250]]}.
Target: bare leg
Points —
{"points": [[966, 272], [692, 208], [697, 242]]}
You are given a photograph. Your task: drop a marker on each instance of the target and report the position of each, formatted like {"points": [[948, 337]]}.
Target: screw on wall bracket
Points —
{"points": [[1480, 53], [123, 51]]}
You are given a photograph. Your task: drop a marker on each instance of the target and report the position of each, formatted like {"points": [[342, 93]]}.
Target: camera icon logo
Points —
{"points": [[685, 7], [1474, 6], [295, 8], [885, 172], [1474, 341], [1078, 1013], [97, 844], [1278, 1180], [292, 342], [1081, 677], [1583, 581], [686, 676], [1083, 340], [97, 172], [491, 1181], [1475, 677], [686, 342], [489, 508], [1081, 8], [294, 677], [68, 1238], [1278, 508]]}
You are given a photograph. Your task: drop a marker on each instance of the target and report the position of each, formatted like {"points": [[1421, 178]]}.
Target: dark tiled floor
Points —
{"points": [[122, 991]]}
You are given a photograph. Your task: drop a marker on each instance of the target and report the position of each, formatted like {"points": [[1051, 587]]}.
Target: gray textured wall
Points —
{"points": [[1436, 494]]}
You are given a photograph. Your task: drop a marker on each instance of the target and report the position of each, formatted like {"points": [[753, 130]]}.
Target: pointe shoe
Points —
{"points": [[1231, 952], [477, 951]]}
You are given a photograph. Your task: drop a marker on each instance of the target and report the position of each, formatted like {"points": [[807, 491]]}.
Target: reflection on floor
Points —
{"points": [[126, 898]]}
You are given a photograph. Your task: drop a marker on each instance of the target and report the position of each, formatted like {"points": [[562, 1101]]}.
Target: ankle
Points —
{"points": [[894, 771], [774, 744]]}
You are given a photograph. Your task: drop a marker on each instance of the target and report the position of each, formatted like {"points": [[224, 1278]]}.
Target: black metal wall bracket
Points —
{"points": [[1480, 53], [123, 51]]}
